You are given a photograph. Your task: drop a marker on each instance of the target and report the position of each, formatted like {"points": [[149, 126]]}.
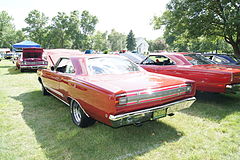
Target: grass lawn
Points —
{"points": [[39, 127]]}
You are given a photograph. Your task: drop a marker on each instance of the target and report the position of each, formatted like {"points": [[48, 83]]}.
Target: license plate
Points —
{"points": [[159, 113]]}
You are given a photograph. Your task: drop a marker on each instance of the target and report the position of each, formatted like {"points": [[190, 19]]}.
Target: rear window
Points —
{"points": [[111, 65]]}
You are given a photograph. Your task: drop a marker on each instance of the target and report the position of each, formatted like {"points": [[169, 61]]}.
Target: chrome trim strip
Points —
{"points": [[58, 98], [160, 95], [153, 95], [178, 105], [68, 103], [37, 66], [55, 91], [176, 86]]}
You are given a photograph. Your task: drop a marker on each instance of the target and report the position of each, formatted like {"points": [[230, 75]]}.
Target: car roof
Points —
{"points": [[170, 53]]}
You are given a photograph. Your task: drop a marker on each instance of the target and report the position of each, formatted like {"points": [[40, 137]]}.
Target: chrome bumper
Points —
{"points": [[232, 88], [34, 67], [150, 113]]}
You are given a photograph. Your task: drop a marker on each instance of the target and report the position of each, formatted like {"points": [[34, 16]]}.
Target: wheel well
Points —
{"points": [[69, 100], [40, 80]]}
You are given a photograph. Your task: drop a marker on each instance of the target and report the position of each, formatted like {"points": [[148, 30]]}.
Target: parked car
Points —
{"points": [[1, 56], [8, 55], [31, 58], [89, 51], [209, 77], [113, 90], [16, 56], [223, 59]]}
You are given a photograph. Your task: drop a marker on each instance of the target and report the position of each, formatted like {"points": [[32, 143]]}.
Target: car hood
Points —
{"points": [[218, 68], [132, 81]]}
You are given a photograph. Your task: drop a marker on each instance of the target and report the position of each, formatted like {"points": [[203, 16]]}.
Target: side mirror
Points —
{"points": [[52, 68]]}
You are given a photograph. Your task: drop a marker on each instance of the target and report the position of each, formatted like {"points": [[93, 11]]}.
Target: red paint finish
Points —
{"points": [[97, 93], [208, 77], [31, 58]]}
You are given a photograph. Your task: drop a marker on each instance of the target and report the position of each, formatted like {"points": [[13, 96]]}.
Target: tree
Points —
{"points": [[157, 44], [59, 30], [74, 30], [7, 30], [71, 31], [88, 24], [100, 41], [131, 41], [19, 36], [117, 41], [208, 18], [36, 29]]}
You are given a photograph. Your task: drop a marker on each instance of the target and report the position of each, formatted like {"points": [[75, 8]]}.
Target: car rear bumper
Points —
{"points": [[232, 88], [150, 113]]}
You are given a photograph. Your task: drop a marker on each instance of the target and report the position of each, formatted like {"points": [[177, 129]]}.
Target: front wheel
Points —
{"points": [[79, 118]]}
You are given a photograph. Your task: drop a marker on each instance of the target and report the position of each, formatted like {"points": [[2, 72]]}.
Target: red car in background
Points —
{"points": [[113, 90], [209, 77], [31, 58]]}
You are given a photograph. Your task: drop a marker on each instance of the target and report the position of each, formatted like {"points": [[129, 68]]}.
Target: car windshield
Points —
{"points": [[135, 57], [234, 58], [197, 59], [111, 65]]}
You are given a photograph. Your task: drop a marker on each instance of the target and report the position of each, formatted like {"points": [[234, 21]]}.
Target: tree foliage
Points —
{"points": [[7, 30], [64, 31], [59, 29], [157, 44], [117, 41], [191, 19], [36, 29], [131, 41], [100, 42]]}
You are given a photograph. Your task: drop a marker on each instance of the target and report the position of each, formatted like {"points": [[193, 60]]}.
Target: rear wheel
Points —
{"points": [[79, 118]]}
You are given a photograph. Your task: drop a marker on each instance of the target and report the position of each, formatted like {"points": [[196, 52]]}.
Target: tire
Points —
{"points": [[79, 118], [21, 70], [44, 91]]}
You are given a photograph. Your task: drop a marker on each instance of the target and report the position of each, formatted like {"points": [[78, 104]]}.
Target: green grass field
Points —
{"points": [[36, 127]]}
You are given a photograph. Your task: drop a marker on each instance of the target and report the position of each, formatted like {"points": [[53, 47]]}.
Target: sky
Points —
{"points": [[122, 15]]}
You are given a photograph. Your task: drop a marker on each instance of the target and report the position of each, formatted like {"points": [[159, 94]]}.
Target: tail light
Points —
{"points": [[121, 99], [189, 88]]}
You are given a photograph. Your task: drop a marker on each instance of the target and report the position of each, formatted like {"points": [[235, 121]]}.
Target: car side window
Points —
{"points": [[70, 68], [221, 60], [159, 60], [65, 66]]}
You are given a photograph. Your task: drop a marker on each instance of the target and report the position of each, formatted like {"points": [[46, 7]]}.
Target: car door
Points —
{"points": [[53, 77], [160, 64], [66, 79]]}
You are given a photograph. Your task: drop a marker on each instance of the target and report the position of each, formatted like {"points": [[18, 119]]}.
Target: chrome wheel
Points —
{"points": [[77, 112], [78, 116]]}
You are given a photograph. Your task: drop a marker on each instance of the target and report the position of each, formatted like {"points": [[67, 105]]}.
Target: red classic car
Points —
{"points": [[113, 90], [209, 77], [31, 58]]}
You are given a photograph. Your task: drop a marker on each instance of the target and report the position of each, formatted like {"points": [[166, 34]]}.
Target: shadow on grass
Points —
{"points": [[214, 106], [61, 139], [13, 70], [5, 66]]}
